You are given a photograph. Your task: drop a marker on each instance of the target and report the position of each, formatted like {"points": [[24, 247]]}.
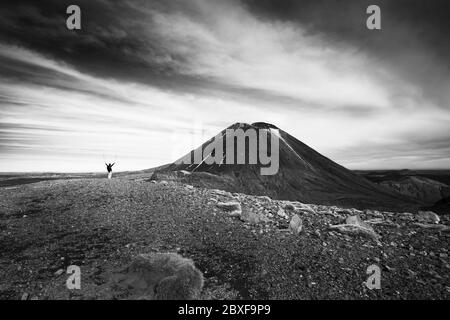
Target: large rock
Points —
{"points": [[233, 208], [304, 208], [356, 220], [296, 224], [289, 206], [298, 207], [355, 226], [161, 276], [428, 217]]}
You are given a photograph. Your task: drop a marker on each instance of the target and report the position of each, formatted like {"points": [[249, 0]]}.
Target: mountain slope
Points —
{"points": [[427, 190], [304, 175], [441, 207]]}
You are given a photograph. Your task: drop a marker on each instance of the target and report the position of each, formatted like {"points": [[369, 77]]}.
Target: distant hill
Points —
{"points": [[427, 186], [304, 175], [424, 189]]}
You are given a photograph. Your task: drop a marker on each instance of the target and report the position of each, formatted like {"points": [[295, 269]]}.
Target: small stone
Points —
{"points": [[388, 268], [411, 273], [59, 272], [25, 296], [281, 213]]}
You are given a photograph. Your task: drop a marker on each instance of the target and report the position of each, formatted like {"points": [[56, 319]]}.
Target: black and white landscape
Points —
{"points": [[357, 208]]}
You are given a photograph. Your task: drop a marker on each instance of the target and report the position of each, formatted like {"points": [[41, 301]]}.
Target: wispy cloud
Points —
{"points": [[148, 84]]}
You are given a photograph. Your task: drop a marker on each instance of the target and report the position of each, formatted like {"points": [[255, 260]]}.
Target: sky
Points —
{"points": [[144, 82]]}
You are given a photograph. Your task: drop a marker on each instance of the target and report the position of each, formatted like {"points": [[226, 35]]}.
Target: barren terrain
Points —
{"points": [[102, 225]]}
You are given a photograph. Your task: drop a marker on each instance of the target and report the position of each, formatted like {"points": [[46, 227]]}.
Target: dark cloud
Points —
{"points": [[346, 21], [412, 41], [110, 44], [116, 39]]}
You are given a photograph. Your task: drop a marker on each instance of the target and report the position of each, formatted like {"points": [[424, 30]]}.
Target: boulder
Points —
{"points": [[232, 207], [297, 207], [296, 224], [428, 217], [289, 207], [356, 220], [304, 208], [161, 276], [355, 226], [352, 229]]}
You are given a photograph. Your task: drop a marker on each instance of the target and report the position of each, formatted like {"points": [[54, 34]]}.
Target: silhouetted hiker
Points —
{"points": [[109, 168]]}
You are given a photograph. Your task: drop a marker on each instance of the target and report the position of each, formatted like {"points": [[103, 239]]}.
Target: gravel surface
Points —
{"points": [[101, 225]]}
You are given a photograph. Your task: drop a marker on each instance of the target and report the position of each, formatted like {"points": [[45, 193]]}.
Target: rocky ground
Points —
{"points": [[247, 247]]}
